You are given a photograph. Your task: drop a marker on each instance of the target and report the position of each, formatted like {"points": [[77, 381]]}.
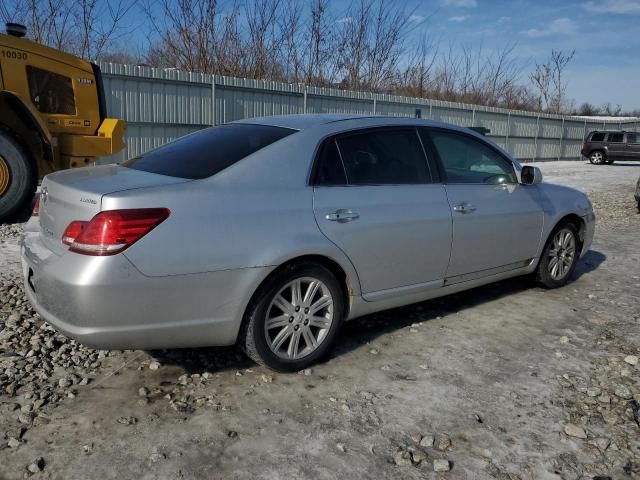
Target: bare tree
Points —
{"points": [[611, 110], [417, 78], [319, 61], [371, 43], [588, 109], [548, 79], [82, 27]]}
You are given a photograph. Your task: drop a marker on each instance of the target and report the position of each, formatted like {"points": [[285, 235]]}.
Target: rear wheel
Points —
{"points": [[18, 178], [293, 319], [597, 157], [559, 257]]}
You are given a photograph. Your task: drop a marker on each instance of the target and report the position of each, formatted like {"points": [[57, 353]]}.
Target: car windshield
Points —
{"points": [[207, 152]]}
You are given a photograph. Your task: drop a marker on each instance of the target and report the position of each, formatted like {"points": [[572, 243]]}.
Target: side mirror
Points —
{"points": [[530, 175]]}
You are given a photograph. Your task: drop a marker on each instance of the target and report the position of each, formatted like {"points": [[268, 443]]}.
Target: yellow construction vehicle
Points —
{"points": [[52, 117]]}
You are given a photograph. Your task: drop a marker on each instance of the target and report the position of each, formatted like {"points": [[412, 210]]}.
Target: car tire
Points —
{"points": [[277, 324], [597, 157], [18, 178], [555, 268]]}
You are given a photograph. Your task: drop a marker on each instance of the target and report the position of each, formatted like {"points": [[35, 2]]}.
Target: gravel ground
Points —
{"points": [[506, 381]]}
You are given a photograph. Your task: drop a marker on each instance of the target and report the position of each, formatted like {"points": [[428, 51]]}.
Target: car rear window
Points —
{"points": [[597, 137], [207, 152]]}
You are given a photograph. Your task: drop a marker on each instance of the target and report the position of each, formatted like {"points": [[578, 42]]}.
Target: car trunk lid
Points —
{"points": [[77, 195]]}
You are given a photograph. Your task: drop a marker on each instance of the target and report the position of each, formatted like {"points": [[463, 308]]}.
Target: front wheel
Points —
{"points": [[559, 257], [293, 319], [18, 178]]}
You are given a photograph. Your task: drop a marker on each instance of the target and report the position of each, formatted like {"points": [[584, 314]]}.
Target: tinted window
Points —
{"points": [[329, 169], [615, 138], [467, 160], [597, 137], [384, 157], [208, 151], [50, 92], [633, 138]]}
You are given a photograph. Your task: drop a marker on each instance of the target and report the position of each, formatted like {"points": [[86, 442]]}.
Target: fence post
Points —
{"points": [[304, 100], [213, 101], [374, 105], [506, 138], [561, 138], [430, 107], [535, 140], [473, 117], [584, 137]]}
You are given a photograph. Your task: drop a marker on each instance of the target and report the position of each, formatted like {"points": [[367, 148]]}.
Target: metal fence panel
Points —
{"points": [[160, 105]]}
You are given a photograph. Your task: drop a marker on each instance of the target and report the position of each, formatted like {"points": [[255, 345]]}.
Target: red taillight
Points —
{"points": [[36, 207], [73, 231], [112, 231]]}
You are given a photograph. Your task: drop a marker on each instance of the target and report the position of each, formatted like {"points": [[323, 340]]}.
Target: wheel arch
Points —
{"points": [[574, 218], [24, 125], [346, 283]]}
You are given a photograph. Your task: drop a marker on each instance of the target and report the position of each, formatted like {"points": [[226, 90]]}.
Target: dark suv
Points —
{"points": [[607, 147]]}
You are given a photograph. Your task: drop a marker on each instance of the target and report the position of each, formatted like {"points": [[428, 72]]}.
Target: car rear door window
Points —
{"points": [[615, 138], [384, 157], [329, 168], [597, 137], [207, 152], [467, 160]]}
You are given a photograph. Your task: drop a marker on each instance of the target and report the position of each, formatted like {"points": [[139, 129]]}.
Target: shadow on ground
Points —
{"points": [[358, 332], [591, 260]]}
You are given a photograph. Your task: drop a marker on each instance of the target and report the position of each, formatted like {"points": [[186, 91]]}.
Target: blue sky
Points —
{"points": [[604, 33]]}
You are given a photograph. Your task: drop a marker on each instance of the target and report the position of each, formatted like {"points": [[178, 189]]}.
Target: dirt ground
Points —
{"points": [[507, 381]]}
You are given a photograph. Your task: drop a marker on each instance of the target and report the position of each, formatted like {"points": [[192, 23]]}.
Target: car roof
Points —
{"points": [[309, 120], [611, 131], [301, 121]]}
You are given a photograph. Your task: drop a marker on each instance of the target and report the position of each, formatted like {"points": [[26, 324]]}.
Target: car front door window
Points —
{"points": [[465, 160]]}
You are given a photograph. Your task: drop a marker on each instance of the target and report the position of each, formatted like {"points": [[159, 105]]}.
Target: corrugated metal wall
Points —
{"points": [[161, 105]]}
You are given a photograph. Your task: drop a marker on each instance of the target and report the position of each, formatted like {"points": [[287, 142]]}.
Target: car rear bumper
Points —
{"points": [[106, 303]]}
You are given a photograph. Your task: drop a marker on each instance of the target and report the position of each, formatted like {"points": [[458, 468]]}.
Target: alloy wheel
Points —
{"points": [[299, 318], [562, 254], [597, 158]]}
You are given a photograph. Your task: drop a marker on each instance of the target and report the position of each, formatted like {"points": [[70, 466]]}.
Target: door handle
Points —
{"points": [[342, 216], [464, 207]]}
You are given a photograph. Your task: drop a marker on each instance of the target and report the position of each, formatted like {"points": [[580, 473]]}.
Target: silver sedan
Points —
{"points": [[271, 232]]}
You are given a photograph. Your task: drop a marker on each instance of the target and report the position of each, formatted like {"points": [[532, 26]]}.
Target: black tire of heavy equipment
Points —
{"points": [[23, 179]]}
